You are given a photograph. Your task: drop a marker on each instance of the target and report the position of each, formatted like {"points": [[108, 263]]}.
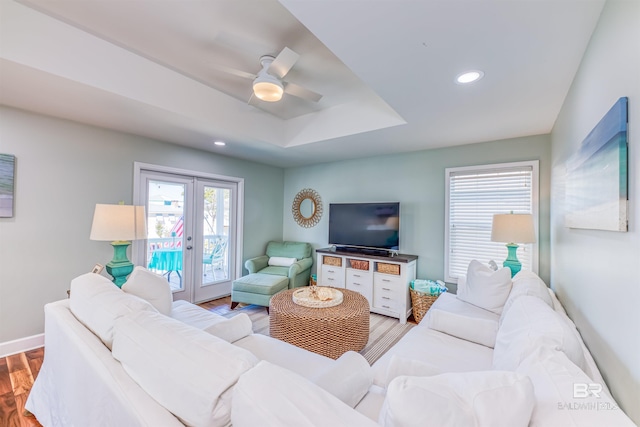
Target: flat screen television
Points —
{"points": [[365, 225]]}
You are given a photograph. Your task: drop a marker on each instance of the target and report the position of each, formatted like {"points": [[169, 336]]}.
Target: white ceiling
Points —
{"points": [[385, 68]]}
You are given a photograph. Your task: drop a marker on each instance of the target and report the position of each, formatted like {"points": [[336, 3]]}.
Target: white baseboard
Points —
{"points": [[21, 345]]}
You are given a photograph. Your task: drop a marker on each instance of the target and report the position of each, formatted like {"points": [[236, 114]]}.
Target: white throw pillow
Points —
{"points": [[232, 330], [488, 398], [348, 378], [188, 371], [96, 302], [400, 366], [461, 289], [486, 288], [480, 331], [278, 261], [530, 323], [271, 396], [566, 396], [151, 287], [527, 283]]}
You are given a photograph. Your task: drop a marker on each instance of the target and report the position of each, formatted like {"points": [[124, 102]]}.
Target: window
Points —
{"points": [[474, 194]]}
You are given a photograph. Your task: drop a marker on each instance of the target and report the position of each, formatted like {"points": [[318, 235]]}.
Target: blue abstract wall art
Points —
{"points": [[597, 180]]}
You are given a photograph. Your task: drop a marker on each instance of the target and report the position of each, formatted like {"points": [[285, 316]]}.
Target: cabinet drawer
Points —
{"points": [[388, 302], [360, 281], [363, 277], [387, 281], [332, 276]]}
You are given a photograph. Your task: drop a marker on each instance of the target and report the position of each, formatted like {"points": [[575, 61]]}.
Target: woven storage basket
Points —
{"points": [[359, 264], [332, 260], [421, 304], [389, 268]]}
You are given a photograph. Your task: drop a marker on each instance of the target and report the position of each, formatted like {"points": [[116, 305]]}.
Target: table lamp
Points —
{"points": [[120, 224], [512, 229]]}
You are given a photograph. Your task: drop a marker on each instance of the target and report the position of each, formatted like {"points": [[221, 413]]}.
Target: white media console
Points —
{"points": [[383, 280]]}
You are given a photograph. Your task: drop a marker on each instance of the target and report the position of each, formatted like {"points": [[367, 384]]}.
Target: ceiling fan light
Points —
{"points": [[269, 91]]}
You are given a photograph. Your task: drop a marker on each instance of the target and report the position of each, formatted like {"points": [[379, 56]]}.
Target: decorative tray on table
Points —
{"points": [[317, 297]]}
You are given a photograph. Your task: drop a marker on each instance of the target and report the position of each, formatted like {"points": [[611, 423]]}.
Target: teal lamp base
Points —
{"points": [[120, 266], [512, 260]]}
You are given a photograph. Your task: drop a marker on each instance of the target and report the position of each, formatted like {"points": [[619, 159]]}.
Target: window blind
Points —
{"points": [[474, 196]]}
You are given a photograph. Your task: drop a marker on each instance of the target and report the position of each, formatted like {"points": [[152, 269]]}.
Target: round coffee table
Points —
{"points": [[328, 331]]}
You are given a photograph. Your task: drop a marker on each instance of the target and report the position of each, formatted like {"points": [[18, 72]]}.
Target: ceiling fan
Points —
{"points": [[269, 84]]}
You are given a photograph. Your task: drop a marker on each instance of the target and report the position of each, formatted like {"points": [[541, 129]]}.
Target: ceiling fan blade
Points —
{"points": [[283, 63], [233, 71], [301, 92], [253, 100]]}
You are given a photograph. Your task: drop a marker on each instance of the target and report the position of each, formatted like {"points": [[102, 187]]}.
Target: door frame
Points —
{"points": [[138, 247]]}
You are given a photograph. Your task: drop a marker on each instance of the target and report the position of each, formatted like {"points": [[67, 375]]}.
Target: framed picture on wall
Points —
{"points": [[597, 181], [7, 178]]}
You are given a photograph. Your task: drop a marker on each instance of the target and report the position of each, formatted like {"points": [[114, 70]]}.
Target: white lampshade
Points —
{"points": [[268, 88], [513, 228], [119, 223]]}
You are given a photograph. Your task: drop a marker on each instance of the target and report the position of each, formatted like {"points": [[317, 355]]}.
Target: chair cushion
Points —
{"points": [[97, 303], [348, 378], [486, 398], [259, 283], [151, 287], [566, 396], [186, 370], [527, 283], [474, 329], [486, 288], [278, 397], [232, 330], [297, 250], [529, 324], [275, 270]]}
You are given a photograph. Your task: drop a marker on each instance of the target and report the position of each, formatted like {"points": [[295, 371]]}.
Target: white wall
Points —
{"points": [[597, 273], [417, 181], [63, 169]]}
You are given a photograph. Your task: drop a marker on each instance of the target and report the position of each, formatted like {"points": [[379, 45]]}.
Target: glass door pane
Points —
{"points": [[167, 231], [216, 205]]}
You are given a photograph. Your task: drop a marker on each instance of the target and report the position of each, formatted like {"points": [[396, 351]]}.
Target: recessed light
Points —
{"points": [[469, 76], [220, 143]]}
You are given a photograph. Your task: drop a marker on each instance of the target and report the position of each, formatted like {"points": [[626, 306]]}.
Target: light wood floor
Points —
{"points": [[18, 371]]}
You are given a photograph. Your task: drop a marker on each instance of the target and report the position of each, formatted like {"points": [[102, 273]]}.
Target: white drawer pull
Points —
{"points": [[386, 306], [330, 278], [331, 271], [386, 280], [386, 289], [357, 284], [386, 298], [356, 275]]}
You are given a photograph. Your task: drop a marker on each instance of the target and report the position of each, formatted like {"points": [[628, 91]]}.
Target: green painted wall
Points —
{"points": [[596, 274], [417, 181], [63, 170]]}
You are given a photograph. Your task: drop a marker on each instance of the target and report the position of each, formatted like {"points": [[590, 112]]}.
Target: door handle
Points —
{"points": [[189, 247]]}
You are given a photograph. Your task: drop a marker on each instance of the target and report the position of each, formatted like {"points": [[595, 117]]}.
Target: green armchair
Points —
{"points": [[290, 267], [298, 272]]}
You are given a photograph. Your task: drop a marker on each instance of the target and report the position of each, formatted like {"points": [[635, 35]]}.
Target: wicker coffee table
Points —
{"points": [[328, 331]]}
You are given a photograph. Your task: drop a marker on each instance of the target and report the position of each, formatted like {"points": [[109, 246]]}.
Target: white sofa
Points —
{"points": [[127, 363]]}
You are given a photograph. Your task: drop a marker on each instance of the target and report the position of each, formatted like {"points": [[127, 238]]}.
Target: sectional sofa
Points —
{"points": [[132, 357]]}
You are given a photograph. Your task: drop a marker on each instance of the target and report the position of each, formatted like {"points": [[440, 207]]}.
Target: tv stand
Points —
{"points": [[382, 277]]}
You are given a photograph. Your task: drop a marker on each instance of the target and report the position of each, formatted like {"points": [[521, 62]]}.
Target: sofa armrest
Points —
{"points": [[299, 266], [256, 264]]}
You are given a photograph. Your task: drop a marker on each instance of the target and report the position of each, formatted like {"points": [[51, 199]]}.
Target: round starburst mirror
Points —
{"points": [[307, 208]]}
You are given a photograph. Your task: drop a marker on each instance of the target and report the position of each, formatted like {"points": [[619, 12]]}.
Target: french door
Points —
{"points": [[192, 231]]}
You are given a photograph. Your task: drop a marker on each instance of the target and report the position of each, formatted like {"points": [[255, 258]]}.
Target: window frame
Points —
{"points": [[535, 207]]}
